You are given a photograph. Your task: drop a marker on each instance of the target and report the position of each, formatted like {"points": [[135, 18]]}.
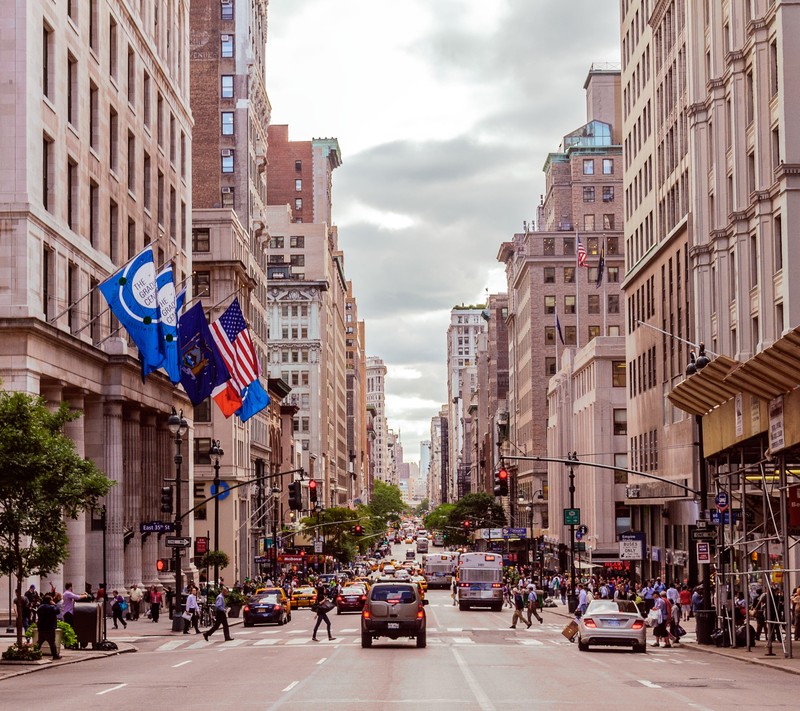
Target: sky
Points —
{"points": [[445, 111]]}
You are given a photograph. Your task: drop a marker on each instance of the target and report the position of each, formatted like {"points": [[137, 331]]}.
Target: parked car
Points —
{"points": [[617, 623], [394, 610], [272, 605]]}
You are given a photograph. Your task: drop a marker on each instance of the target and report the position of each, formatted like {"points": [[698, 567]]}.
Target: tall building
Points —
{"points": [[554, 302], [96, 144], [231, 113], [357, 452], [439, 469], [466, 323], [376, 399]]}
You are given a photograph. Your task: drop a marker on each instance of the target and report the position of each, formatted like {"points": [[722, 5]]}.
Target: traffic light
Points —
{"points": [[294, 496], [466, 525], [358, 530], [501, 482], [312, 491], [166, 499], [162, 565]]}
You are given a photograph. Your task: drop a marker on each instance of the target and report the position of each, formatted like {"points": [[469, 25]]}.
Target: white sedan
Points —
{"points": [[616, 623]]}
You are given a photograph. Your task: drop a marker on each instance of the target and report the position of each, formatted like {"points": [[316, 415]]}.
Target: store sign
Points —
{"points": [[776, 432], [703, 552]]}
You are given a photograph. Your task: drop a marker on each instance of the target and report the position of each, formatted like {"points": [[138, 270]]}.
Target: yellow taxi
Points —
{"points": [[420, 580], [409, 540], [360, 581], [305, 596]]}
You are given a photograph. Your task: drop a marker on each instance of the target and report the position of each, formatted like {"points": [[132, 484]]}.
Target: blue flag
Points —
{"points": [[254, 400], [202, 367], [131, 294], [168, 323]]}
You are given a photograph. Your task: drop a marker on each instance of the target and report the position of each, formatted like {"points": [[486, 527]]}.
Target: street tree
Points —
{"points": [[439, 518], [479, 510], [386, 503], [42, 480], [423, 508]]}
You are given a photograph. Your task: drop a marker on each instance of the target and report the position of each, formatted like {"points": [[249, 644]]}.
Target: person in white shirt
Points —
{"points": [[194, 609], [583, 599]]}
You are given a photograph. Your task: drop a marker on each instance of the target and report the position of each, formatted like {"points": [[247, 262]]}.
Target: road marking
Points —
{"points": [[648, 684], [348, 631], [291, 686], [113, 688], [296, 631], [455, 629], [270, 632], [263, 642], [175, 666], [233, 642], [532, 642], [463, 640], [322, 661], [297, 641], [199, 645], [484, 702], [169, 646]]}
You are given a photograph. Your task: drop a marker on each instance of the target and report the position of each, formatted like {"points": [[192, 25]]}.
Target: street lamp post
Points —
{"points": [[178, 427], [216, 452], [276, 568], [572, 603], [529, 511]]}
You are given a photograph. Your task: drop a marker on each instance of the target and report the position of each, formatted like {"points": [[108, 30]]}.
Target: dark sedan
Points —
{"points": [[267, 607], [351, 599]]}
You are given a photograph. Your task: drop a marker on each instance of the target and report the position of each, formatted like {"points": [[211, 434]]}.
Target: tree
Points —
{"points": [[439, 518], [480, 510], [42, 480], [423, 508], [386, 503]]}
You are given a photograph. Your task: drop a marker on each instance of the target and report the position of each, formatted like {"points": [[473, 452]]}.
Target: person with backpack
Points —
{"points": [[118, 608], [533, 603]]}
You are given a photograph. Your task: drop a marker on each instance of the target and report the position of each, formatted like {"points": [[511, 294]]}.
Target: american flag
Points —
{"points": [[581, 254], [232, 337]]}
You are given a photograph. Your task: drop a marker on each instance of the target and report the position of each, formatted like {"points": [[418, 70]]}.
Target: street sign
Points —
{"points": [[583, 529], [261, 559], [580, 546], [572, 517], [176, 542], [631, 545], [701, 535], [703, 552], [578, 535], [288, 558], [701, 523], [224, 490], [722, 500], [317, 546], [200, 545], [157, 527]]}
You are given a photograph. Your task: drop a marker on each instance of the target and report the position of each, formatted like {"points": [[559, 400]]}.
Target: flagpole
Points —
{"points": [[577, 294], [555, 340]]}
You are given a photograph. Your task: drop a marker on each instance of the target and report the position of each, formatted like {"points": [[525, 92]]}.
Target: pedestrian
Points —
{"points": [[454, 589], [33, 602], [685, 597], [47, 625], [135, 596], [533, 603], [220, 617], [583, 599], [155, 603], [321, 607], [68, 604], [519, 607], [118, 608], [660, 605], [168, 597], [191, 615], [795, 599]]}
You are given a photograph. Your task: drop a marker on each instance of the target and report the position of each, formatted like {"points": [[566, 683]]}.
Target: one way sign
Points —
{"points": [[178, 542]]}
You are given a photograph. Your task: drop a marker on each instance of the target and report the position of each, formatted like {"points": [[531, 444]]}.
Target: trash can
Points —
{"points": [[88, 619], [572, 604], [705, 623]]}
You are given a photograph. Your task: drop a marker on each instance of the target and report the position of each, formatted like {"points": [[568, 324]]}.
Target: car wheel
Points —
{"points": [[281, 621], [583, 646], [338, 611], [366, 639], [497, 608], [462, 606], [640, 648], [248, 624], [422, 639]]}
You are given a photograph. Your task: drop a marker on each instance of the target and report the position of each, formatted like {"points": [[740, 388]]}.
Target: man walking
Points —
{"points": [[47, 624], [220, 617], [533, 603], [519, 606], [135, 596]]}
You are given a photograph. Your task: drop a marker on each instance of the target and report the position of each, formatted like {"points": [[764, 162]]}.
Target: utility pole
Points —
{"points": [[573, 599]]}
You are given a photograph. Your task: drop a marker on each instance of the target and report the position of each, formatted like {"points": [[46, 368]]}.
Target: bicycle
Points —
{"points": [[206, 615]]}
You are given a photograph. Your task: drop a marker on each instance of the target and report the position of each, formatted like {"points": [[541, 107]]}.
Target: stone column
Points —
{"points": [[75, 565], [112, 415], [132, 470], [150, 497], [52, 392]]}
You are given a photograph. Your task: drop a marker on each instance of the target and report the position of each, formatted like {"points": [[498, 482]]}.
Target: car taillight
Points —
{"points": [[278, 607], [420, 612], [637, 625], [338, 598], [365, 614], [496, 585], [463, 585], [363, 597], [589, 622], [247, 608]]}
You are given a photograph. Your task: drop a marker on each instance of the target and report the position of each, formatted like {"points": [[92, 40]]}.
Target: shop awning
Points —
{"points": [[706, 389]]}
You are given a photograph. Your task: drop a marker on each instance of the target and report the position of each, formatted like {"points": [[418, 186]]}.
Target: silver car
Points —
{"points": [[616, 623]]}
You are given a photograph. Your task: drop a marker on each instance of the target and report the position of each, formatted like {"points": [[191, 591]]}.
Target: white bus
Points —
{"points": [[438, 569], [422, 545], [480, 581]]}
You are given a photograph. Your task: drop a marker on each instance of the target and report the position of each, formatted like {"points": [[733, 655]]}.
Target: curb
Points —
{"points": [[85, 657]]}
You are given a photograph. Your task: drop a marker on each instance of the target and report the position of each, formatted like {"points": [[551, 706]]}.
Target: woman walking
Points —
{"points": [[117, 609], [660, 630], [321, 607], [155, 603]]}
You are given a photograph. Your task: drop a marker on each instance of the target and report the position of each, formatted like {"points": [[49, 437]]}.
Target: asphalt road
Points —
{"points": [[473, 661]]}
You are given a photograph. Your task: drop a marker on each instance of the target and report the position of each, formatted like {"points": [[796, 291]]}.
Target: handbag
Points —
{"points": [[326, 606], [186, 615], [123, 606], [653, 618]]}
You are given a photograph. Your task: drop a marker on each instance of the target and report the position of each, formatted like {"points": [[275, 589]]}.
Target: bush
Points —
{"points": [[24, 653], [235, 599], [211, 558], [68, 637]]}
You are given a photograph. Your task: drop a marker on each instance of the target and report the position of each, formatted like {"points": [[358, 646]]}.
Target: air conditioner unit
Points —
{"points": [[225, 38], [632, 492], [226, 2], [227, 152], [227, 191]]}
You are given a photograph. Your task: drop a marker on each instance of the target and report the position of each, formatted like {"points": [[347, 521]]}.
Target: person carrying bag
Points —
{"points": [[322, 607]]}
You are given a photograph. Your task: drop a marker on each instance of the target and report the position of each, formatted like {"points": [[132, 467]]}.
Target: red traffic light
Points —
{"points": [[312, 484], [466, 524], [359, 530], [502, 474]]}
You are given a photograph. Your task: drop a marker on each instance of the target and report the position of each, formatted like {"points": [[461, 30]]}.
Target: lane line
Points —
{"points": [[322, 661], [484, 702], [291, 686], [113, 688], [175, 666], [648, 684]]}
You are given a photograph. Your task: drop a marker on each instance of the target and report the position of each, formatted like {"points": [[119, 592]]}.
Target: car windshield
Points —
{"points": [[612, 606], [391, 593], [266, 600], [304, 591], [354, 590]]}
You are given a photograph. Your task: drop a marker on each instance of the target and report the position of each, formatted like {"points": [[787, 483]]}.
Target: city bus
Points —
{"points": [[438, 569], [438, 539], [480, 581], [422, 545]]}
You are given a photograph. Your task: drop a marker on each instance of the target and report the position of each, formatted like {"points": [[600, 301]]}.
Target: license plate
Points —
{"points": [[613, 623], [393, 625], [487, 593]]}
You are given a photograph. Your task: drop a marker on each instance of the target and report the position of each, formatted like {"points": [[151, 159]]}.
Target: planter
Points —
{"points": [[234, 611], [46, 650]]}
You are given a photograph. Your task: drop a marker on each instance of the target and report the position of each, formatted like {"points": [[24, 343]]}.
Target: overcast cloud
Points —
{"points": [[445, 111]]}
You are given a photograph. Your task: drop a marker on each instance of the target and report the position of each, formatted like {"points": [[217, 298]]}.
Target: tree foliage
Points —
{"points": [[480, 509], [42, 480], [423, 508], [386, 503]]}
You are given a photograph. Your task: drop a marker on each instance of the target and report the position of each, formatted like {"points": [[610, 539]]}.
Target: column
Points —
{"points": [[150, 497], [112, 416], [52, 392], [132, 472], [75, 565]]}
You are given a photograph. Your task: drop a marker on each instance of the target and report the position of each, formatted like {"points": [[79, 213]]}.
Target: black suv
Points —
{"points": [[393, 610]]}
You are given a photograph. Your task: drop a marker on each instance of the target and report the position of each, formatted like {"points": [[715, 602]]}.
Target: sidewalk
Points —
{"points": [[139, 628], [756, 655]]}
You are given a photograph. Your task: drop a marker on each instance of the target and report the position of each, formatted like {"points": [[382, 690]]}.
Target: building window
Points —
{"points": [[588, 166], [227, 196], [569, 275], [594, 303], [620, 421], [72, 195], [618, 373], [569, 245], [47, 173], [298, 185], [202, 446], [297, 241], [298, 203], [112, 48], [298, 165], [94, 116], [146, 100], [594, 332], [549, 275], [94, 214], [549, 366], [72, 90], [608, 193], [588, 223], [113, 140], [277, 243], [297, 260], [588, 194], [549, 304], [227, 160], [226, 90], [608, 166], [569, 304], [226, 8], [201, 284], [549, 335], [226, 44], [202, 412], [131, 76], [549, 246], [227, 123], [570, 335], [147, 188], [131, 163], [613, 331], [613, 303], [608, 222], [201, 240], [612, 246], [593, 246]]}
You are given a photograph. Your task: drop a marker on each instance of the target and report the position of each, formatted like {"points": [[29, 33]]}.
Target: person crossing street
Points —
{"points": [[519, 607], [220, 617], [533, 603]]}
